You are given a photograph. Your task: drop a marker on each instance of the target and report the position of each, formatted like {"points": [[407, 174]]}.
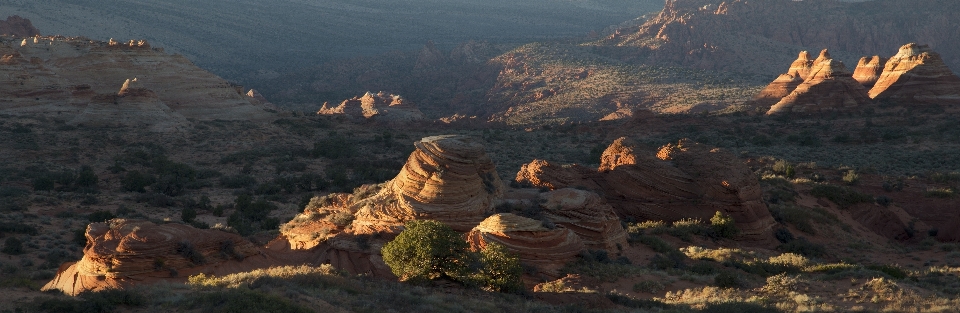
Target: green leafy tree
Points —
{"points": [[427, 250], [501, 270]]}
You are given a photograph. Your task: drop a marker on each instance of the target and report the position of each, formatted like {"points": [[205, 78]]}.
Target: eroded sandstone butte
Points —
{"points": [[380, 107], [868, 70], [18, 26], [78, 79], [122, 253], [917, 75], [682, 180], [830, 87], [785, 83], [547, 249], [588, 215]]}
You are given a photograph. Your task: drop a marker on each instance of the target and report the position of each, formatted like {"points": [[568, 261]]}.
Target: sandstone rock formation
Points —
{"points": [[830, 87], [121, 252], [868, 70], [74, 78], [915, 75], [18, 26], [785, 83], [751, 36], [586, 214], [683, 180], [534, 244], [322, 219], [380, 107]]}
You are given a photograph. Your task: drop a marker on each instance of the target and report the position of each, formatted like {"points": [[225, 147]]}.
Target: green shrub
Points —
{"points": [[86, 178], [648, 286], [851, 177], [724, 225], [656, 244], [18, 228], [89, 302], [43, 184], [804, 247], [500, 270], [727, 280], [12, 246], [427, 250], [100, 216], [842, 196], [944, 193], [136, 182], [894, 271], [188, 214], [237, 181]]}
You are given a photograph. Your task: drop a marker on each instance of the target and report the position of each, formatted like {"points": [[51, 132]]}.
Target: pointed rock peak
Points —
{"points": [[824, 55], [123, 89], [863, 61], [876, 60], [829, 68], [912, 49], [804, 56]]}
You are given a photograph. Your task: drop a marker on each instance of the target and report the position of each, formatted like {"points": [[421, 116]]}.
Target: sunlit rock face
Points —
{"points": [[78, 79], [682, 180], [379, 107], [868, 70], [548, 249], [830, 87], [917, 74], [586, 214], [122, 253]]}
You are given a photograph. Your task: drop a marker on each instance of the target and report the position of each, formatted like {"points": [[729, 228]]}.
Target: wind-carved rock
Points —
{"points": [[830, 87], [868, 70], [586, 214], [785, 83], [121, 253], [547, 249], [379, 106], [917, 74], [683, 180]]}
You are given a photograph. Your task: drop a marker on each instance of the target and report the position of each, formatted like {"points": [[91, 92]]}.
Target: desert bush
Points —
{"points": [[188, 214], [727, 280], [427, 250], [842, 196], [784, 168], [43, 184], [890, 186], [500, 270], [335, 147], [12, 246], [136, 181], [189, 252], [940, 193], [851, 177], [894, 271], [803, 247], [108, 300], [648, 286], [100, 216], [655, 243], [18, 228], [783, 235], [723, 225], [237, 181]]}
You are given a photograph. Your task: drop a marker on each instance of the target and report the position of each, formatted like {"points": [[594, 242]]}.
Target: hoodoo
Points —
{"points": [[868, 70], [917, 74], [829, 88]]}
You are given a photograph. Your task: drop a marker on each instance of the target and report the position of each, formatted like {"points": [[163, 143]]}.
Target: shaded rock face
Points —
{"points": [[683, 180], [547, 249], [917, 74], [868, 70], [123, 252], [77, 77], [18, 26], [380, 107], [586, 214], [830, 87]]}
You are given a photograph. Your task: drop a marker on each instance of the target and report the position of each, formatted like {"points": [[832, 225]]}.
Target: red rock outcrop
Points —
{"points": [[121, 253], [586, 214], [43, 75], [785, 83], [547, 249], [18, 26], [323, 218], [380, 106], [683, 180], [830, 87], [917, 74], [869, 70]]}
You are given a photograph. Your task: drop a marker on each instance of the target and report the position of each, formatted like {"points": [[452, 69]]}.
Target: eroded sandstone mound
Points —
{"points": [[917, 74], [683, 180], [18, 26], [380, 106], [73, 78], [830, 87], [534, 244], [868, 70], [124, 252], [586, 214], [785, 83]]}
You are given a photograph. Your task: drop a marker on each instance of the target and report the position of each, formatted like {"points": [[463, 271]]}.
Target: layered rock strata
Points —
{"points": [[120, 253], [380, 106], [74, 78], [683, 180], [586, 214], [785, 83], [534, 244], [868, 70], [830, 87], [917, 74]]}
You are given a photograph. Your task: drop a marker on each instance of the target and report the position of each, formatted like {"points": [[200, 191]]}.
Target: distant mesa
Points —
{"points": [[18, 27], [682, 180], [380, 107], [829, 87], [91, 83], [917, 74]]}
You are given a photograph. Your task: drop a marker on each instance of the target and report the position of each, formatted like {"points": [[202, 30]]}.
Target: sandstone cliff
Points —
{"points": [[683, 180], [379, 107], [830, 87], [75, 78], [917, 75]]}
